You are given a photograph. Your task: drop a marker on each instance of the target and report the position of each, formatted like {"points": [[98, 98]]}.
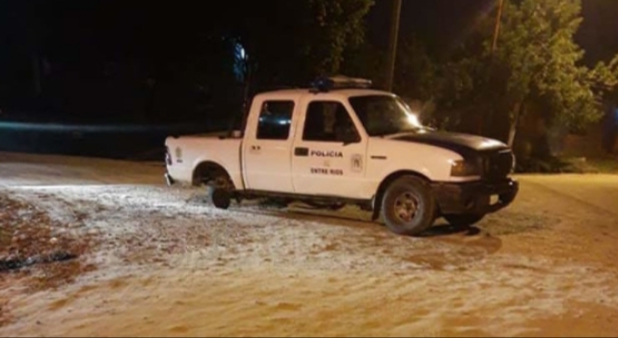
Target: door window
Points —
{"points": [[329, 121]]}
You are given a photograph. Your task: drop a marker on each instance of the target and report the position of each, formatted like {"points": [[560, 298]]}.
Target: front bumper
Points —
{"points": [[475, 197]]}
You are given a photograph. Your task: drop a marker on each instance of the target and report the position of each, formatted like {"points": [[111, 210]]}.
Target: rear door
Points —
{"points": [[267, 146], [329, 153]]}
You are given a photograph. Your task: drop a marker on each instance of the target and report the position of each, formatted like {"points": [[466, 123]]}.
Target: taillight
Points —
{"points": [[168, 157]]}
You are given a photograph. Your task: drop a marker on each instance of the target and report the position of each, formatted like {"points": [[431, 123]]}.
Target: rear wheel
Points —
{"points": [[408, 206], [220, 198], [219, 188], [464, 220]]}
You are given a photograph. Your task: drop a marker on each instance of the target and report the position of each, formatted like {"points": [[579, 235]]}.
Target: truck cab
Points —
{"points": [[341, 142]]}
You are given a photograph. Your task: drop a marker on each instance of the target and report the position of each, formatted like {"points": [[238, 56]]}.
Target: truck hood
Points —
{"points": [[463, 144]]}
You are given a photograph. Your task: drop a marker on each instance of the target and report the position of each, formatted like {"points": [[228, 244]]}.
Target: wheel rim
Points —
{"points": [[406, 207]]}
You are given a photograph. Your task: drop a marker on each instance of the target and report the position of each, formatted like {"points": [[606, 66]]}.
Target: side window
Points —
{"points": [[329, 121], [275, 120]]}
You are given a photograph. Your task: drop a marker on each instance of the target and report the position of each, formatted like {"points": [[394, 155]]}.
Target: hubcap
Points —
{"points": [[406, 207]]}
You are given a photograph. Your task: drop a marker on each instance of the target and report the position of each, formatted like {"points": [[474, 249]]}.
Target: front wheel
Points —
{"points": [[408, 206], [464, 220]]}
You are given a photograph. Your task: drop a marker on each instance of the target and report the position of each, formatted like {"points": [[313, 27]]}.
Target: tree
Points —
{"points": [[365, 61], [539, 61], [536, 63], [415, 71], [311, 39], [604, 79], [335, 26]]}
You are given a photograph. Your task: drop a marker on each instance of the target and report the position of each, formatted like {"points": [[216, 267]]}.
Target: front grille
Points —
{"points": [[498, 165]]}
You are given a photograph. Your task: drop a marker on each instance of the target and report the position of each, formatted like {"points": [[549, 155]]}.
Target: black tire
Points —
{"points": [[464, 220], [408, 206], [221, 198], [219, 188]]}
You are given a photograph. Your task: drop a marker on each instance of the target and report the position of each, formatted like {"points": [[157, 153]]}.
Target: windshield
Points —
{"points": [[384, 114]]}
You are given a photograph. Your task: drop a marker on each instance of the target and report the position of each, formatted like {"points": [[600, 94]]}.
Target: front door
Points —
{"points": [[328, 158], [267, 148]]}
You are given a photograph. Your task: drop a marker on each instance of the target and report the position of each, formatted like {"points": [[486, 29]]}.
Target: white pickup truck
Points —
{"points": [[340, 142]]}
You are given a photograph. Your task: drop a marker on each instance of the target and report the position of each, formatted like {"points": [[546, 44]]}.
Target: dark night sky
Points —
{"points": [[598, 34], [80, 30], [138, 60], [441, 23]]}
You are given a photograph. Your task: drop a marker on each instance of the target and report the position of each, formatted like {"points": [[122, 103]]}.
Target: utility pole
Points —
{"points": [[497, 28], [392, 46], [494, 45]]}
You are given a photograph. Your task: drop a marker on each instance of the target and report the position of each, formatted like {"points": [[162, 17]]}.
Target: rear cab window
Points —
{"points": [[275, 120]]}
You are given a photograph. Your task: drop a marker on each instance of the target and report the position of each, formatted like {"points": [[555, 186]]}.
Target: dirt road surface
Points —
{"points": [[159, 262]]}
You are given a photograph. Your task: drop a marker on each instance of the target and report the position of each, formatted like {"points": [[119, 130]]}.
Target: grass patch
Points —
{"points": [[570, 164], [606, 165], [595, 165]]}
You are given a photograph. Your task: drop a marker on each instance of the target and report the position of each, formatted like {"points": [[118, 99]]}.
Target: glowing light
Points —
{"points": [[241, 51], [240, 62], [413, 120]]}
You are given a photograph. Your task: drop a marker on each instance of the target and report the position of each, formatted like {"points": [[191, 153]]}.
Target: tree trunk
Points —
{"points": [[519, 107], [512, 133]]}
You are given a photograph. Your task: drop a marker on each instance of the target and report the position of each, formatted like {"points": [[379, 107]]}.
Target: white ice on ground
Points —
{"points": [[169, 260]]}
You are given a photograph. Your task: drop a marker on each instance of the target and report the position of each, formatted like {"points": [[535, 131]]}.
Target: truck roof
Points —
{"points": [[334, 93]]}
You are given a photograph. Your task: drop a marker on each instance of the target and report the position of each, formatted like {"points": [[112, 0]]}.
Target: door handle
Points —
{"points": [[300, 151]]}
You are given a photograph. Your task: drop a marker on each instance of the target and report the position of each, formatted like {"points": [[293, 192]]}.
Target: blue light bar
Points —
{"points": [[324, 84]]}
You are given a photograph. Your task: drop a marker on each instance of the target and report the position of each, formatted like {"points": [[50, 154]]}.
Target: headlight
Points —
{"points": [[462, 168]]}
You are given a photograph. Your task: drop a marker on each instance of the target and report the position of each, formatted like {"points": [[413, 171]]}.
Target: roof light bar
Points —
{"points": [[324, 84]]}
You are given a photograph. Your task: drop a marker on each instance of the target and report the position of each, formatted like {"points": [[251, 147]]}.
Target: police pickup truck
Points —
{"points": [[340, 142]]}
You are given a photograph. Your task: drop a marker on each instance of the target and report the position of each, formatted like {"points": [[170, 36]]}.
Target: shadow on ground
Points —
{"points": [[360, 221]]}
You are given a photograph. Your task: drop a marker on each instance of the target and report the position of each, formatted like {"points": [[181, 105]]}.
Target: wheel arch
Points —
{"points": [[205, 170]]}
